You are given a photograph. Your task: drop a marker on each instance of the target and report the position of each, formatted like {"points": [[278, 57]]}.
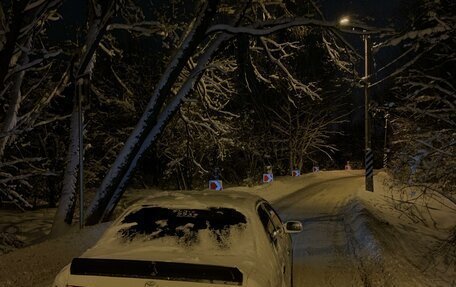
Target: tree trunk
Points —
{"points": [[64, 214], [121, 168], [291, 136]]}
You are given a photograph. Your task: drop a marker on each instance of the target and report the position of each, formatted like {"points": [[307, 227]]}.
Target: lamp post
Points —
{"points": [[369, 156], [80, 91]]}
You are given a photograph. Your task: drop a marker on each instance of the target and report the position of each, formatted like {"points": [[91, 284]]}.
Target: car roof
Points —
{"points": [[241, 201]]}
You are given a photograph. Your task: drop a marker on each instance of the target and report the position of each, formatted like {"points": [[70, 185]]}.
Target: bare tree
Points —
{"points": [[304, 130], [25, 20]]}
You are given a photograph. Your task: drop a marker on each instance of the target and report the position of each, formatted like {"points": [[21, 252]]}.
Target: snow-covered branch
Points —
{"points": [[269, 27], [33, 63], [296, 85], [144, 28], [412, 35]]}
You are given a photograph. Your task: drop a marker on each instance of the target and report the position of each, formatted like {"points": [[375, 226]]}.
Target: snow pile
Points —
{"points": [[365, 246], [446, 252], [358, 221], [37, 265], [29, 227], [9, 242], [284, 186], [410, 238]]}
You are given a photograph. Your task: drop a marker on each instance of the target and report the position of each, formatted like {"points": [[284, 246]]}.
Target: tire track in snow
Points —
{"points": [[324, 253]]}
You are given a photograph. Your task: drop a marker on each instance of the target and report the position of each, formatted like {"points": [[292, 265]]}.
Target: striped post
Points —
{"points": [[385, 159], [369, 170], [385, 143]]}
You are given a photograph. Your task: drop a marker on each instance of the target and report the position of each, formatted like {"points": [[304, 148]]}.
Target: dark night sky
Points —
{"points": [[377, 13]]}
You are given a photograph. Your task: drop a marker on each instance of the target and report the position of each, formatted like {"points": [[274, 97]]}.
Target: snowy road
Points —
{"points": [[351, 237], [324, 253]]}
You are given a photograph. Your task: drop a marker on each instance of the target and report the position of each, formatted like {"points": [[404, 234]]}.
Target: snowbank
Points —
{"points": [[37, 265], [410, 236]]}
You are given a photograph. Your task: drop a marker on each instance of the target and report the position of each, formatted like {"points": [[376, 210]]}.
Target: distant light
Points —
{"points": [[344, 21]]}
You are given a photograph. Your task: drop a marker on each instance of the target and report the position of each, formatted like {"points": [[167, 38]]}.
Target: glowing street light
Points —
{"points": [[369, 157], [344, 21]]}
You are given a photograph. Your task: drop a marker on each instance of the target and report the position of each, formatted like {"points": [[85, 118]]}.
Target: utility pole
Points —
{"points": [[369, 155], [81, 84], [385, 143]]}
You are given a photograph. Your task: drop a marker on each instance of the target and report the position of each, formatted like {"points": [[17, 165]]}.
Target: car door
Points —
{"points": [[279, 241], [270, 231], [283, 243]]}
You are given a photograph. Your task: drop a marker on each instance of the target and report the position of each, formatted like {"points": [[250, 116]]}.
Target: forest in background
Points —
{"points": [[171, 90]]}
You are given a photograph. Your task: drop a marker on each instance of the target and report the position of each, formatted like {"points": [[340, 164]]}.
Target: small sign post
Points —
{"points": [[268, 177], [348, 166], [296, 172], [215, 185], [315, 169]]}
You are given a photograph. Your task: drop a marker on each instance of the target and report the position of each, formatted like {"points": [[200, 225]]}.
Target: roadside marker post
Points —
{"points": [[369, 170], [315, 169], [348, 166], [268, 177], [296, 172], [215, 185]]}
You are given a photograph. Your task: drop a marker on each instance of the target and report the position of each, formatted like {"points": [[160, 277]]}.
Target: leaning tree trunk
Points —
{"points": [[64, 214], [163, 119], [121, 168]]}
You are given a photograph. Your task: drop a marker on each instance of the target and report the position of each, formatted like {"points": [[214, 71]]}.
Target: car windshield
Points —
{"points": [[212, 228]]}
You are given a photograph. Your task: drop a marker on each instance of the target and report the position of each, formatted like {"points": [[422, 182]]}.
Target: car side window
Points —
{"points": [[266, 222], [274, 217]]}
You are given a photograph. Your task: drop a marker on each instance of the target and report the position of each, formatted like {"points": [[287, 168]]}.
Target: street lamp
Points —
{"points": [[344, 21], [369, 156]]}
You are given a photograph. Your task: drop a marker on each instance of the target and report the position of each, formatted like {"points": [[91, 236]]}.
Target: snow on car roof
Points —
{"points": [[241, 201]]}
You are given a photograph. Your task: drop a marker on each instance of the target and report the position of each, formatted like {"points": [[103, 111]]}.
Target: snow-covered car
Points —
{"points": [[189, 239]]}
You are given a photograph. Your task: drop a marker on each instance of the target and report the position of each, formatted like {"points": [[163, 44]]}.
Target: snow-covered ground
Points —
{"points": [[351, 237], [356, 238]]}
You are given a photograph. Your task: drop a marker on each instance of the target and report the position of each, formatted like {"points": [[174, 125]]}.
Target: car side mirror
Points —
{"points": [[293, 227]]}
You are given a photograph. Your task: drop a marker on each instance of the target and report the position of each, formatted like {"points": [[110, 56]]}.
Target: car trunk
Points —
{"points": [[156, 246], [95, 272]]}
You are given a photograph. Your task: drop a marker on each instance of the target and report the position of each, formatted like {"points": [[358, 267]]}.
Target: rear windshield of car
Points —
{"points": [[218, 228]]}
